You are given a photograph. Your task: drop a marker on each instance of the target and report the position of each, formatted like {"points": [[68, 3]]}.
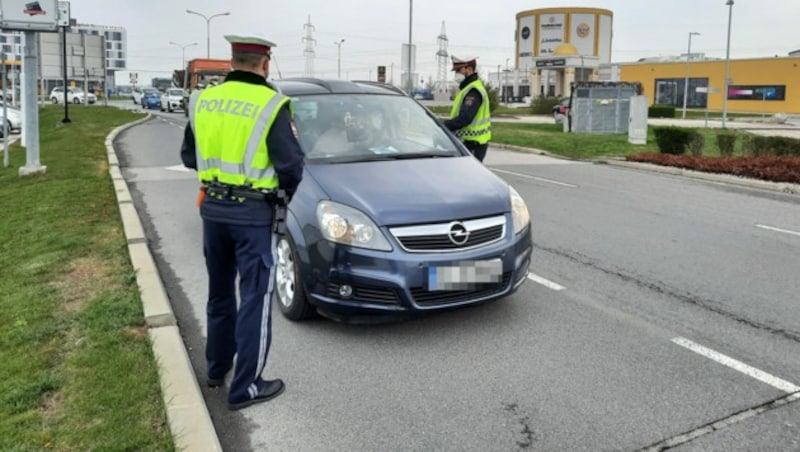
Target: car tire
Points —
{"points": [[289, 290], [76, 101], [54, 100], [169, 108]]}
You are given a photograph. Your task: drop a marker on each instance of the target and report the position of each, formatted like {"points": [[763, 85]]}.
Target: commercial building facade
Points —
{"points": [[758, 85], [555, 47], [94, 53]]}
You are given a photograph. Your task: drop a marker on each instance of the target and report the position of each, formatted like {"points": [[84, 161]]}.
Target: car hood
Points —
{"points": [[415, 191]]}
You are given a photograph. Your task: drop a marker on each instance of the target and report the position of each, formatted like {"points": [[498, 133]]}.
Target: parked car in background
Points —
{"points": [[151, 100], [172, 99], [561, 110], [74, 96], [138, 92], [14, 119], [419, 226]]}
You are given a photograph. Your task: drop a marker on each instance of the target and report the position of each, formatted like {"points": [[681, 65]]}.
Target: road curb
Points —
{"points": [[781, 187], [187, 413]]}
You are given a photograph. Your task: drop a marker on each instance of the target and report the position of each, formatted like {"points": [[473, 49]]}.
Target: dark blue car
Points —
{"points": [[394, 216]]}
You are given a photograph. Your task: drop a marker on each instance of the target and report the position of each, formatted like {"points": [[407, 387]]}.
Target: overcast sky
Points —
{"points": [[373, 32]]}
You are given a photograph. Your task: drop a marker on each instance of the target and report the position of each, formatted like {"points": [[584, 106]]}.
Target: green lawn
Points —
{"points": [[77, 369], [551, 138]]}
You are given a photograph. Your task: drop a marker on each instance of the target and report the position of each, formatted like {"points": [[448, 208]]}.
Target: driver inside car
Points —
{"points": [[353, 131]]}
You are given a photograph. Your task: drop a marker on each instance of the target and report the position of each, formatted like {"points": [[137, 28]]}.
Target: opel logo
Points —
{"points": [[458, 234]]}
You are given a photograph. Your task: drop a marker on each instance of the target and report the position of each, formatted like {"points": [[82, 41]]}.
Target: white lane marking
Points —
{"points": [[180, 168], [549, 181], [547, 283], [764, 377], [770, 228]]}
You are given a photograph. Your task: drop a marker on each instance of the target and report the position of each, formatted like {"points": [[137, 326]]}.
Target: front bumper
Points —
{"points": [[394, 283]]}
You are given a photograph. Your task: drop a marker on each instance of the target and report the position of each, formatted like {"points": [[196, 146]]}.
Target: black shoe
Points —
{"points": [[270, 390], [215, 382]]}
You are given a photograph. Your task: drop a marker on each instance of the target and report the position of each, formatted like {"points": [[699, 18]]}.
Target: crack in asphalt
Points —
{"points": [[722, 423], [662, 288], [528, 435]]}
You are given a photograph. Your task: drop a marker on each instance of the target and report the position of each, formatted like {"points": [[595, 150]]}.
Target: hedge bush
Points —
{"points": [[761, 146], [726, 143], [544, 105], [696, 144], [673, 140], [661, 111]]}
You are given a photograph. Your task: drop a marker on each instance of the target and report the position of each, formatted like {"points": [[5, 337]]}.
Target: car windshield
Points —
{"points": [[175, 92], [339, 128]]}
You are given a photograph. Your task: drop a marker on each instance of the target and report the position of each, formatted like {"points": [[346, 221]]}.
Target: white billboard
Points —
{"points": [[582, 33], [551, 33], [26, 15], [62, 20]]}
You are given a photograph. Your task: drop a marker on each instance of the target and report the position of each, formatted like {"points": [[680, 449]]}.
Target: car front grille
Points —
{"points": [[452, 236], [424, 297]]}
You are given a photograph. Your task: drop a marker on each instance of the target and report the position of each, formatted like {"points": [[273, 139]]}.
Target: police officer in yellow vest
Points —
{"points": [[243, 144], [470, 117]]}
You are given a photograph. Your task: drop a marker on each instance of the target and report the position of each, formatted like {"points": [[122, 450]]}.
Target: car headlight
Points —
{"points": [[346, 225], [519, 211]]}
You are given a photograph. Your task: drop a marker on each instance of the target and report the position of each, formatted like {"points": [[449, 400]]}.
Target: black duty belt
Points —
{"points": [[232, 191]]}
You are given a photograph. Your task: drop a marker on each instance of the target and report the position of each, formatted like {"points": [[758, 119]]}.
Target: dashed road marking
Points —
{"points": [[545, 282], [770, 228], [541, 179], [750, 371], [180, 168]]}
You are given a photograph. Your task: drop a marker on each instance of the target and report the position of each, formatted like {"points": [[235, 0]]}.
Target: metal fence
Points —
{"points": [[602, 107]]}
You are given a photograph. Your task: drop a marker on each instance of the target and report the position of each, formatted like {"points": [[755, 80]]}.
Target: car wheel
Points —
{"points": [[289, 290], [169, 108], [54, 99], [76, 101]]}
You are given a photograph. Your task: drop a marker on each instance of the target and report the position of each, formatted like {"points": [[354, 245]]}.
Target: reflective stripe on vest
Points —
{"points": [[230, 127], [480, 129]]}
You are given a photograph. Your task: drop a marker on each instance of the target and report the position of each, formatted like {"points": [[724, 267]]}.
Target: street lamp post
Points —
{"points": [[409, 80], [686, 82], [183, 51], [339, 58], [727, 65], [499, 84], [208, 27]]}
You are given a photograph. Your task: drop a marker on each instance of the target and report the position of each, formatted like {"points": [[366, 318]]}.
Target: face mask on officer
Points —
{"points": [[459, 77]]}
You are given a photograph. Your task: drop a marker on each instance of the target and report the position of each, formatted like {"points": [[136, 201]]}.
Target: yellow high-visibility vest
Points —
{"points": [[231, 123], [480, 129]]}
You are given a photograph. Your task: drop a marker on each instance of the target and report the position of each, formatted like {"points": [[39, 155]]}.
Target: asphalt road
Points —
{"points": [[658, 309]]}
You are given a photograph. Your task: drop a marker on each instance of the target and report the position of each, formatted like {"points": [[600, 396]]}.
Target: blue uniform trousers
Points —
{"points": [[246, 332]]}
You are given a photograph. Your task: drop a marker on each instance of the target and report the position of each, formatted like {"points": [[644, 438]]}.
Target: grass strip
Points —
{"points": [[77, 371]]}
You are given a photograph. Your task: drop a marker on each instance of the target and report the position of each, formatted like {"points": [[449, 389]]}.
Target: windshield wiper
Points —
{"points": [[409, 155]]}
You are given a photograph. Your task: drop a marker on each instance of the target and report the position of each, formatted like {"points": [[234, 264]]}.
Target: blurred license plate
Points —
{"points": [[465, 275]]}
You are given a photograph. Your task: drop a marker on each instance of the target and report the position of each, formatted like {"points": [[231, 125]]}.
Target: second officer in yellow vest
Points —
{"points": [[470, 117], [243, 144]]}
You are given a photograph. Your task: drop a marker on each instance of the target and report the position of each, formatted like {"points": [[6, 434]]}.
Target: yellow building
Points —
{"points": [[758, 85]]}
